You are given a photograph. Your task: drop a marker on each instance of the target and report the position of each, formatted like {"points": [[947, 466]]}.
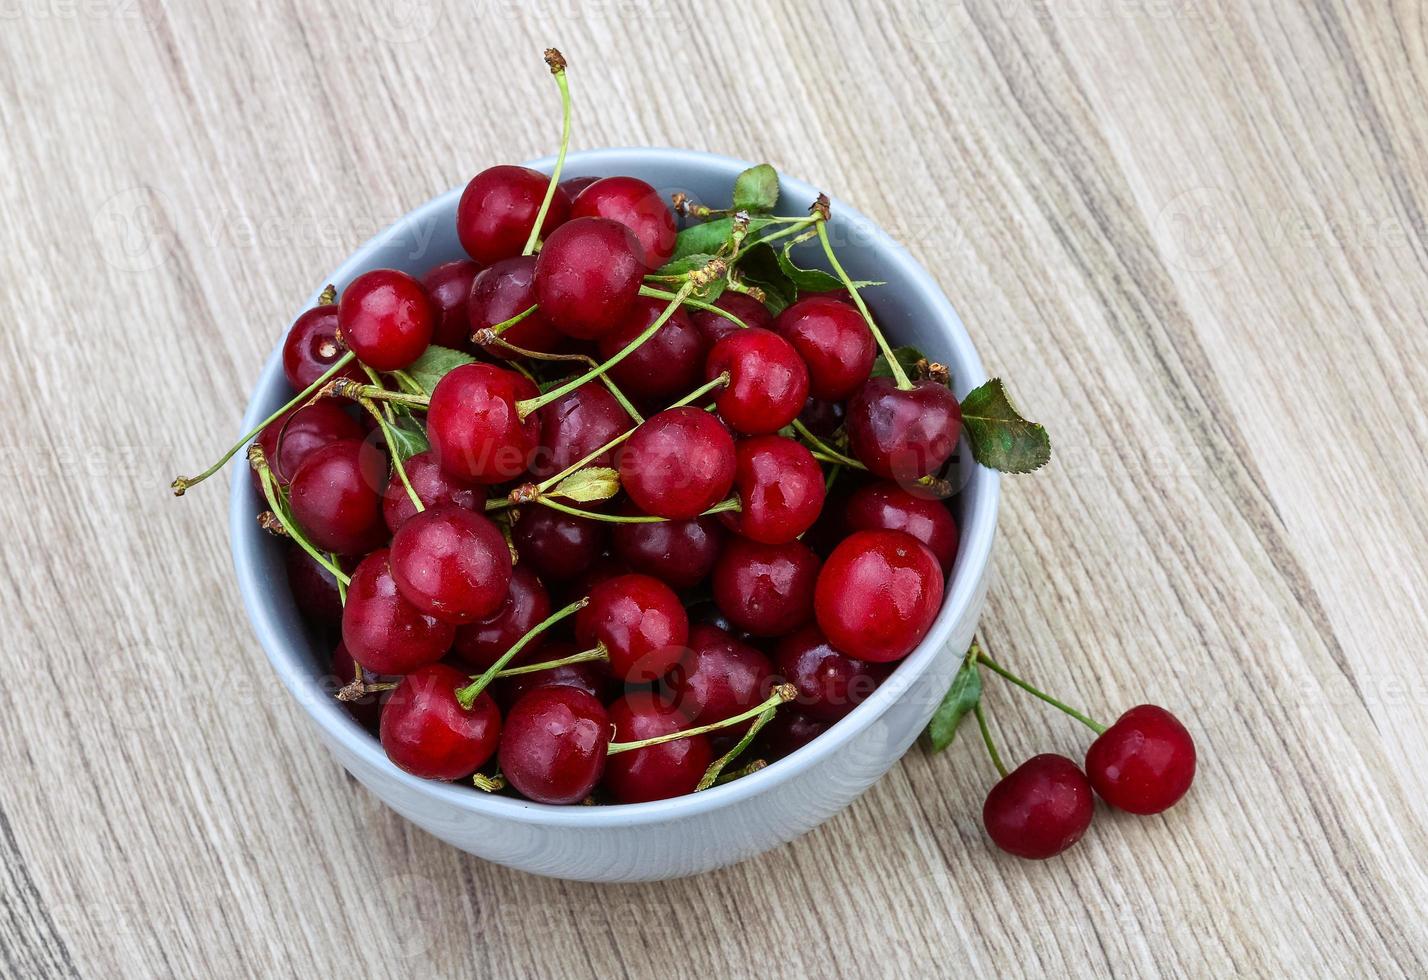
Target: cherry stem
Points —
{"points": [[489, 784], [834, 456], [488, 335], [721, 507], [997, 668], [259, 461], [711, 775], [781, 695], [410, 383], [748, 770], [466, 696], [557, 68], [183, 483], [605, 379], [341, 585], [397, 464], [355, 390], [698, 304], [797, 225], [821, 222], [376, 380], [987, 740], [597, 652]]}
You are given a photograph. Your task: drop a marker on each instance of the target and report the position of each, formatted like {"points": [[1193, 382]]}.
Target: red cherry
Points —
{"points": [[749, 310], [877, 595], [1144, 763], [366, 710], [655, 772], [640, 621], [574, 426], [499, 208], [1040, 809], [665, 366], [575, 185], [426, 732], [678, 464], [780, 489], [386, 319], [765, 589], [681, 553], [289, 441], [718, 677], [313, 587], [591, 676], [903, 435], [558, 546], [476, 432], [312, 347], [888, 506], [452, 564], [336, 497], [498, 293], [768, 381], [481, 643], [385, 632], [638, 207], [789, 731], [433, 486], [829, 684], [449, 286], [554, 743], [833, 340], [587, 275]]}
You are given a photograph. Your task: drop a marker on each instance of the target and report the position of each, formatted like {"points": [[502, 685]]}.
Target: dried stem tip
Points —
{"points": [[556, 60], [820, 207], [328, 296], [272, 523]]}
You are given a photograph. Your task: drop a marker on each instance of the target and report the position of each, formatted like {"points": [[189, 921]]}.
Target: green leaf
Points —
{"points": [[906, 356], [406, 438], [756, 189], [759, 267], [962, 697], [434, 365], [813, 280], [688, 263], [589, 485], [1000, 437], [707, 237]]}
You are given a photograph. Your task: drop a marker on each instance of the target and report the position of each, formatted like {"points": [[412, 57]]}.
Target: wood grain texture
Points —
{"points": [[1192, 233]]}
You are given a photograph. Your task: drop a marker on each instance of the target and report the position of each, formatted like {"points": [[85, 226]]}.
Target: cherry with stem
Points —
{"points": [[259, 461], [467, 696], [996, 668], [382, 423], [597, 652], [782, 694]]}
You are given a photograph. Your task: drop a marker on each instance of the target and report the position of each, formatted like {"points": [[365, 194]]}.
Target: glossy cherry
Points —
{"points": [[313, 587], [829, 684], [587, 276], [877, 595], [481, 643], [641, 623], [288, 442], [664, 367], [833, 340], [678, 464], [750, 311], [1144, 763], [476, 432], [574, 426], [1039, 809], [768, 381], [452, 563], [655, 772], [717, 677], [765, 589], [449, 286], [426, 732], [903, 435], [501, 291], [382, 630], [433, 486], [885, 505], [386, 319], [681, 553], [312, 347], [637, 206], [780, 489], [336, 497], [554, 743], [498, 209], [557, 546]]}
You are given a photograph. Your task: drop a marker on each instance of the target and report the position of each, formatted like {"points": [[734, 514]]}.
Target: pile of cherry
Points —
{"points": [[603, 513]]}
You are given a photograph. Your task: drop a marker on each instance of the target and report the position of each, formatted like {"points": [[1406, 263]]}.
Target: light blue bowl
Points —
{"points": [[725, 824]]}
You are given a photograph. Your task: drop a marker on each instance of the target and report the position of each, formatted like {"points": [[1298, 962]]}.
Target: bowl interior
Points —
{"points": [[910, 308]]}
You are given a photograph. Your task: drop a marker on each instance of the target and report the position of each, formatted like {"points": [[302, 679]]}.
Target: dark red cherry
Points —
{"points": [[433, 486], [426, 732], [641, 623], [903, 435], [877, 595], [554, 743], [289, 441], [452, 563], [449, 286], [587, 275], [336, 497], [768, 381], [888, 506], [575, 425], [833, 340], [664, 367], [312, 347], [655, 772], [481, 643], [789, 731], [749, 310], [1039, 809], [313, 587], [718, 677], [558, 546], [822, 418], [366, 710], [603, 567], [829, 684], [383, 631], [1144, 763], [780, 489], [501, 291], [591, 676], [765, 589], [499, 208], [681, 553], [678, 464], [386, 319], [476, 432], [638, 207], [575, 185]]}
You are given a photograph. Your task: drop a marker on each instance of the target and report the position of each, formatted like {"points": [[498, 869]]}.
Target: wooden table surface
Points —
{"points": [[1192, 234]]}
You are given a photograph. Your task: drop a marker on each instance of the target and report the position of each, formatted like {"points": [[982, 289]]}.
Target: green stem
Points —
{"points": [[584, 656], [698, 304], [782, 694], [259, 459], [183, 483], [412, 384], [748, 770], [997, 668], [467, 695], [592, 515], [987, 740], [557, 68], [834, 455], [711, 775], [898, 373], [605, 379], [357, 391], [486, 335], [341, 585]]}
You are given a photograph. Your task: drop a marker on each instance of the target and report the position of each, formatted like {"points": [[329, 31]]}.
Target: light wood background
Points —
{"points": [[1192, 233]]}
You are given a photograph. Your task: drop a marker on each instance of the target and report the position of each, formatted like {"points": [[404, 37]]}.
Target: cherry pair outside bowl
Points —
{"points": [[727, 823]]}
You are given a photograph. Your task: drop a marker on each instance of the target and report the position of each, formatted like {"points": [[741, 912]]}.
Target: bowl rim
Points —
{"points": [[974, 553]]}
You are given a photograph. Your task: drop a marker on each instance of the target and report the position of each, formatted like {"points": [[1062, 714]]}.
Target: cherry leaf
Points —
{"points": [[961, 698], [759, 267], [1000, 437], [406, 438], [687, 263], [707, 237], [813, 280], [589, 485], [756, 189], [434, 364]]}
